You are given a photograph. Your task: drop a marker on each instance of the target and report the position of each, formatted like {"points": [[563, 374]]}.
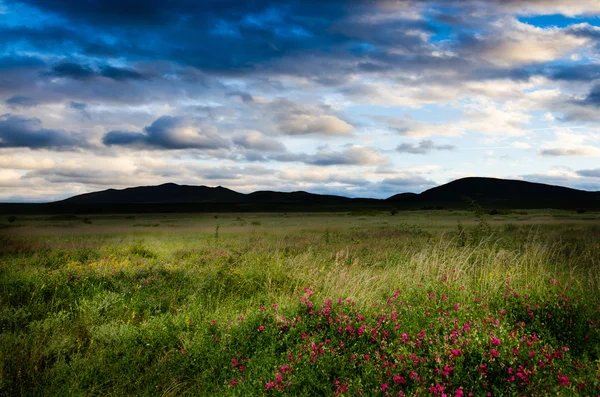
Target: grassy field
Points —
{"points": [[451, 303]]}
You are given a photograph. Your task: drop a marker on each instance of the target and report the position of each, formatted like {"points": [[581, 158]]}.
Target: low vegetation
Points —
{"points": [[330, 304]]}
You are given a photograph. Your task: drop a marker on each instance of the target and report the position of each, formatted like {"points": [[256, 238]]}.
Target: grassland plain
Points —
{"points": [[421, 303]]}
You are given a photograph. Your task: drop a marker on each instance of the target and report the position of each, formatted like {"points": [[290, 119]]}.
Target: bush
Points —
{"points": [[11, 218]]}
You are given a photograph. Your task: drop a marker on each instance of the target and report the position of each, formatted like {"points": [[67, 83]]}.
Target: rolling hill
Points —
{"points": [[498, 190], [170, 197]]}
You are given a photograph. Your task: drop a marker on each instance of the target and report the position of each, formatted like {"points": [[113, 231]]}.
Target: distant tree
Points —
{"points": [[394, 211], [11, 218], [581, 210]]}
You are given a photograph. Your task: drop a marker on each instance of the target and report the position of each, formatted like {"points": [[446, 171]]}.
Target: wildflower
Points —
{"points": [[458, 393], [398, 379], [456, 353], [261, 328], [494, 353], [384, 387], [269, 385], [495, 341], [563, 380]]}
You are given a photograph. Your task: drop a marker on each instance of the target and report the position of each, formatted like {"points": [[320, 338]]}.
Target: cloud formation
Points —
{"points": [[169, 132], [323, 95], [423, 147], [23, 132]]}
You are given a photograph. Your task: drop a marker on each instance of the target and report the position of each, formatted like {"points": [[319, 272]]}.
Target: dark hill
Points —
{"points": [[266, 196], [167, 193], [402, 196], [170, 197], [503, 192], [503, 189]]}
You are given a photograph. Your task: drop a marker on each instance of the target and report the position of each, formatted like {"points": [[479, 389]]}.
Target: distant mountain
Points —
{"points": [[180, 198], [167, 193], [498, 190], [266, 196], [177, 194], [403, 197]]}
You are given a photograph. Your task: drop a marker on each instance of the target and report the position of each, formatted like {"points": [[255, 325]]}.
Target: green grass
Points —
{"points": [[176, 304]]}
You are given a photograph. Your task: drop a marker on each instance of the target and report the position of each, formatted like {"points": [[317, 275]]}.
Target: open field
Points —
{"points": [[423, 302]]}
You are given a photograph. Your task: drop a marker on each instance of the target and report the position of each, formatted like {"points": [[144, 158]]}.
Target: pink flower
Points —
{"points": [[261, 328], [563, 380], [384, 387], [456, 352], [269, 385], [398, 379], [458, 393], [494, 353], [495, 341]]}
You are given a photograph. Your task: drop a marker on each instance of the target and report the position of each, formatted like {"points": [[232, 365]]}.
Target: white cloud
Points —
{"points": [[511, 42]]}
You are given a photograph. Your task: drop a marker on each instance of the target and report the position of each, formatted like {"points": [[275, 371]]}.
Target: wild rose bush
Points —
{"points": [[437, 340]]}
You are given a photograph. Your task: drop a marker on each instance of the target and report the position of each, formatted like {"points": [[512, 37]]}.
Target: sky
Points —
{"points": [[362, 98]]}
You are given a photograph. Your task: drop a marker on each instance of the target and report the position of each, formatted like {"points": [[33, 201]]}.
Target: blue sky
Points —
{"points": [[354, 97]]}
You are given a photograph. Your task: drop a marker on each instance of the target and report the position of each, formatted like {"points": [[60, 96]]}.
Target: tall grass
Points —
{"points": [[122, 314]]}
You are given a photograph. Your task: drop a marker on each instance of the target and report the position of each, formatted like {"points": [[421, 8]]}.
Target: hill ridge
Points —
{"points": [[477, 188]]}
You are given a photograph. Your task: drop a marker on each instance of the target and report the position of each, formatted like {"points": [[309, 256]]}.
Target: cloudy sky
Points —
{"points": [[355, 97]]}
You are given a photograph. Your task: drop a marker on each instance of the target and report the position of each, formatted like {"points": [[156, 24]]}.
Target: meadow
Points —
{"points": [[429, 303]]}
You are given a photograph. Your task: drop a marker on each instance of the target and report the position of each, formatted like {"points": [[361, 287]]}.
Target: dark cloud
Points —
{"points": [[590, 173], [586, 72], [87, 176], [17, 131], [20, 62], [221, 35], [77, 71], [72, 70], [423, 147], [169, 133], [81, 108], [120, 73], [593, 98], [584, 30], [244, 96], [19, 101]]}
